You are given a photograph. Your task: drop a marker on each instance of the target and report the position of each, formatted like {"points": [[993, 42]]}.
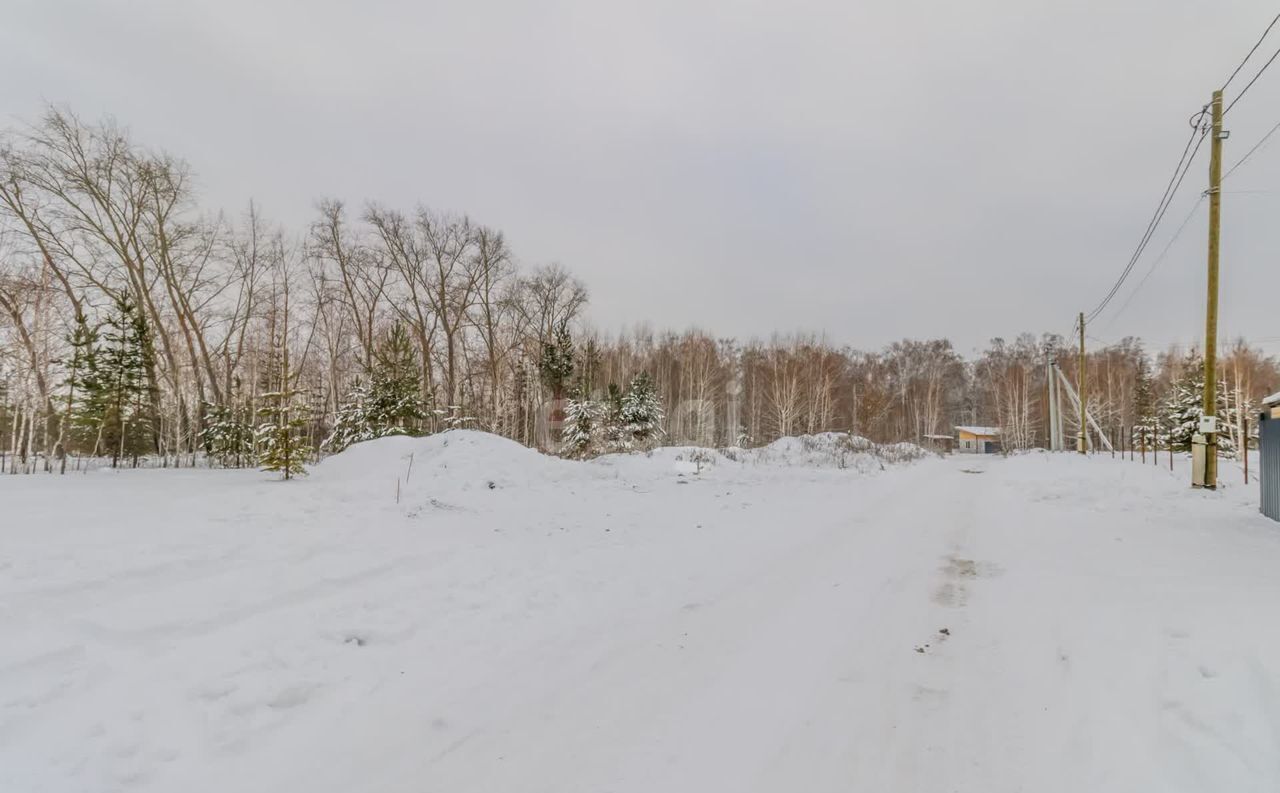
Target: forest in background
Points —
{"points": [[137, 326]]}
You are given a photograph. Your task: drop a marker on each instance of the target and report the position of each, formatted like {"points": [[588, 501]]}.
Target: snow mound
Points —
{"points": [[835, 450], [663, 460], [826, 450], [456, 460], [460, 467]]}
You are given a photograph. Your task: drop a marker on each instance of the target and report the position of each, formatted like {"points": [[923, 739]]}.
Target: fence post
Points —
{"points": [[1244, 443]]}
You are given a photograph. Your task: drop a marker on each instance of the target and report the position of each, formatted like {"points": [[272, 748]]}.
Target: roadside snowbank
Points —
{"points": [[825, 451], [460, 460], [836, 450], [465, 461]]}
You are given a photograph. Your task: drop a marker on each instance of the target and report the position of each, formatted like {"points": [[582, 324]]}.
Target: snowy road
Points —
{"points": [[1037, 623]]}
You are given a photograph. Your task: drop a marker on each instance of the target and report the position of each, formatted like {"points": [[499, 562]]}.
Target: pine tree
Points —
{"points": [[614, 434], [388, 403], [109, 390], [1146, 424], [1185, 406], [587, 364], [583, 425], [281, 436], [83, 411], [555, 368], [641, 412], [557, 362], [228, 435]]}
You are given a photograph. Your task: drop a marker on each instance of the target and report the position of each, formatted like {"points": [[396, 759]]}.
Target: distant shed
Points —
{"points": [[1269, 446], [978, 440], [940, 443]]}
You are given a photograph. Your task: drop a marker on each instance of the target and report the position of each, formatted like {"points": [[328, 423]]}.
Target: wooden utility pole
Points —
{"points": [[1210, 407], [1084, 428]]}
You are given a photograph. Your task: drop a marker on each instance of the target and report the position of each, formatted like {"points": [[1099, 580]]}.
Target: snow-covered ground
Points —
{"points": [[679, 622]]}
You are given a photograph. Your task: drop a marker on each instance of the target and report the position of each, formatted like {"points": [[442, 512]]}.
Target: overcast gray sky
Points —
{"points": [[868, 170]]}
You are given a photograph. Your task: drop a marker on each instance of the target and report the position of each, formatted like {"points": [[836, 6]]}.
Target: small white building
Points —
{"points": [[978, 440]]}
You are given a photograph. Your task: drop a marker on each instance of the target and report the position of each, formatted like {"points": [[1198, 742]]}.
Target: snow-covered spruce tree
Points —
{"points": [[228, 435], [281, 436], [1146, 423], [111, 402], [83, 414], [587, 365], [557, 361], [583, 426], [352, 423], [555, 369], [614, 435], [388, 403], [641, 411], [1185, 406]]}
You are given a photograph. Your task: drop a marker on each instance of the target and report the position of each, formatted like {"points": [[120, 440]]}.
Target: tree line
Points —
{"points": [[138, 327]]}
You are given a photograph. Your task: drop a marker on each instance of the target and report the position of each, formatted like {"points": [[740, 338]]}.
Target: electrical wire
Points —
{"points": [[1179, 173], [1250, 55], [1249, 85], [1250, 153], [1175, 181], [1155, 263]]}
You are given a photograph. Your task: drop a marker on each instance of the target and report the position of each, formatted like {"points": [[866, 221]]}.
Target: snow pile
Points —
{"points": [[835, 450], [823, 451], [464, 467], [450, 463], [663, 461]]}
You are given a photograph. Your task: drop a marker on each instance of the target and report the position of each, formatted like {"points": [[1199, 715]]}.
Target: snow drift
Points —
{"points": [[840, 451], [836, 450], [458, 460], [469, 461]]}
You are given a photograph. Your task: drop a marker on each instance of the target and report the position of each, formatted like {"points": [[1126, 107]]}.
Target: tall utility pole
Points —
{"points": [[1210, 407], [1050, 383], [1084, 431]]}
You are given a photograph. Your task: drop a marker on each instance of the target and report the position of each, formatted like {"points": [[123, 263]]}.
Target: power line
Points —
{"points": [[1249, 153], [1156, 262], [1171, 189], [1250, 55], [1175, 182], [1178, 171], [1249, 85]]}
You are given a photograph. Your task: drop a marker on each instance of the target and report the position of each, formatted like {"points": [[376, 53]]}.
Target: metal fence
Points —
{"points": [[1269, 445]]}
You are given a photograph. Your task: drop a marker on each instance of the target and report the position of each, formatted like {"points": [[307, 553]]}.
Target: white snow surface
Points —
{"points": [[687, 620]]}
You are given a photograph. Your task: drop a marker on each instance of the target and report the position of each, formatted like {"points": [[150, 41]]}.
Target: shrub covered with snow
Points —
{"points": [[835, 450], [827, 450]]}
